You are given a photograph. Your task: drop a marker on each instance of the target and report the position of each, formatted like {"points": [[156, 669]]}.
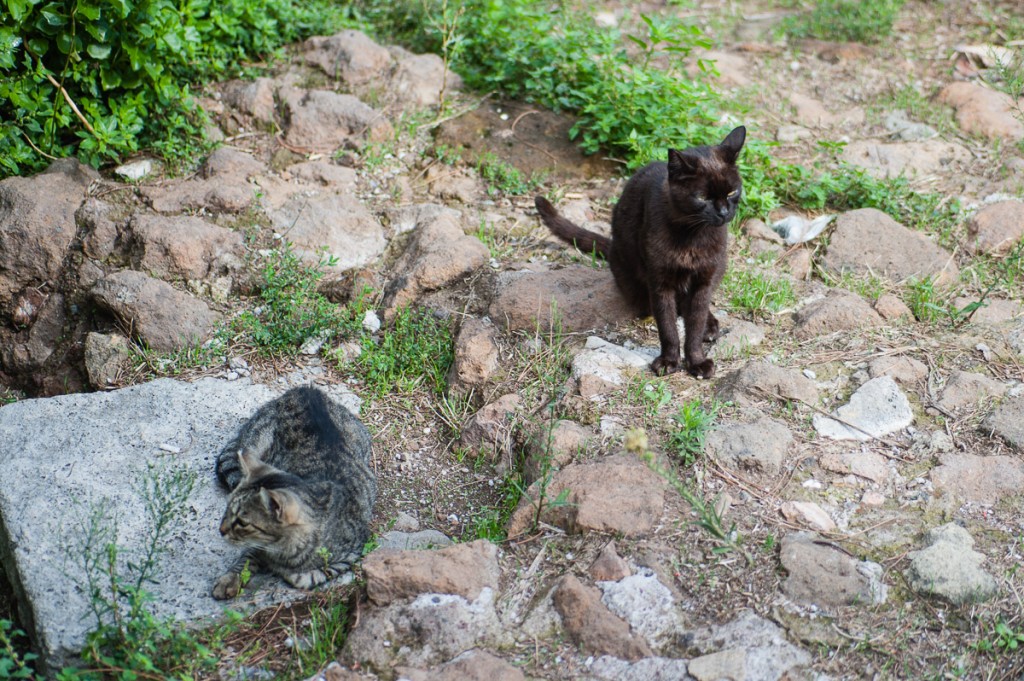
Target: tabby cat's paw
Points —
{"points": [[663, 367], [227, 586], [307, 580], [705, 369]]}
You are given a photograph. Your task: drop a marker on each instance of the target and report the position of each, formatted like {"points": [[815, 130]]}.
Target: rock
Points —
{"points": [[26, 306], [183, 247], [824, 575], [994, 311], [430, 630], [591, 625], [254, 98], [35, 234], [608, 668], [902, 128], [349, 56], [319, 120], [609, 566], [864, 464], [552, 445], [99, 237], [996, 228], [616, 494], [759, 380], [405, 522], [580, 298], [966, 389], [872, 499], [876, 409], [891, 308], [335, 224], [472, 665], [982, 111], [222, 187], [476, 357], [338, 179], [462, 569], [799, 263], [413, 541], [812, 114], [489, 431], [105, 356], [404, 219], [788, 134], [162, 317], [869, 241], [332, 672], [732, 68], [1007, 422], [948, 567], [420, 80], [136, 170], [904, 370], [757, 229], [647, 606], [439, 255], [68, 457], [727, 665], [838, 311], [809, 514], [736, 337], [454, 186], [601, 366], [981, 479], [26, 356], [759, 446], [909, 159], [769, 656]]}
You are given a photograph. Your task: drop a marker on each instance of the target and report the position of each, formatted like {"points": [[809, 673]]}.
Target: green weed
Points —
{"points": [[15, 664], [322, 638], [1003, 639], [926, 301], [650, 394], [755, 293], [416, 352], [502, 177], [865, 21], [867, 286], [692, 424], [491, 523]]}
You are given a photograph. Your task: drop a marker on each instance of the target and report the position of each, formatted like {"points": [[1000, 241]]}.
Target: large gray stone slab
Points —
{"points": [[65, 457]]}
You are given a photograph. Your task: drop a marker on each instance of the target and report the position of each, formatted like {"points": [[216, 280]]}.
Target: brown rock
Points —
{"points": [[476, 357], [994, 312], [163, 317], [904, 370], [759, 380], [580, 298], [617, 494], [910, 159], [591, 625], [838, 311], [808, 513], [254, 98], [891, 308], [799, 262], [822, 574], [99, 237], [223, 186], [489, 431], [812, 113], [609, 566], [472, 665], [982, 479], [983, 111], [349, 56], [462, 569], [439, 255], [184, 247], [868, 240], [552, 445], [419, 80], [320, 120], [966, 389], [26, 306], [757, 229], [1007, 422], [105, 356], [37, 225], [863, 464], [996, 228], [43, 337]]}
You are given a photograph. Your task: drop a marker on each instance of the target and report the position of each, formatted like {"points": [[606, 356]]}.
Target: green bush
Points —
{"points": [[126, 65], [866, 21]]}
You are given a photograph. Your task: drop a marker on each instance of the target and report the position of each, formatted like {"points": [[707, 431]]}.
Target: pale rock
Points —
{"points": [[808, 513], [876, 409], [949, 567]]}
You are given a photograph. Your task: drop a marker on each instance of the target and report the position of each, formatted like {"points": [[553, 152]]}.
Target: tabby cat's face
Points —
{"points": [[257, 517]]}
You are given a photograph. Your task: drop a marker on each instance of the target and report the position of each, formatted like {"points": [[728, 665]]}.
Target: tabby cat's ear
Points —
{"points": [[248, 462], [682, 164], [280, 504], [732, 144]]}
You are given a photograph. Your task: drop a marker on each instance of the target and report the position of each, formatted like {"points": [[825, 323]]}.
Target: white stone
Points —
{"points": [[878, 408]]}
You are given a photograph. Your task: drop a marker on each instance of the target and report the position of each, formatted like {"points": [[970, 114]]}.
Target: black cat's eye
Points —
{"points": [[733, 193]]}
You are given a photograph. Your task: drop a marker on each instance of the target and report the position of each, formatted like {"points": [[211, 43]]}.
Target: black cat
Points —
{"points": [[668, 245]]}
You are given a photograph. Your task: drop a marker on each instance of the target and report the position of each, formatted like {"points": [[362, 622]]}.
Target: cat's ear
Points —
{"points": [[732, 144], [280, 504], [248, 462], [682, 164]]}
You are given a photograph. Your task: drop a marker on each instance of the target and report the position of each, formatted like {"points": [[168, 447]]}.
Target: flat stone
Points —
{"points": [[472, 665], [616, 494], [736, 337], [996, 228], [876, 409], [1007, 422], [413, 541], [808, 513], [758, 380], [647, 606], [608, 668], [552, 446], [609, 566], [994, 311], [891, 308], [592, 625], [105, 356], [981, 479], [966, 389], [864, 464], [462, 569], [821, 574], [66, 458], [769, 656], [838, 311], [983, 111], [476, 357], [320, 120], [726, 665], [869, 241], [759, 446], [136, 170], [601, 366], [183, 247], [904, 370], [223, 186], [575, 299], [910, 159], [949, 567]]}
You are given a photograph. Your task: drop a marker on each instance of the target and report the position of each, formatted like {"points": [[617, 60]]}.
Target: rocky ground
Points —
{"points": [[864, 466]]}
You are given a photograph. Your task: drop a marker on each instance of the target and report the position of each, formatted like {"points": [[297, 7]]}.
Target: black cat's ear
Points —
{"points": [[682, 164], [732, 144]]}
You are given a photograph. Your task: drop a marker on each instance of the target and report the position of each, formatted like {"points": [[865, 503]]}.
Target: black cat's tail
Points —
{"points": [[570, 232]]}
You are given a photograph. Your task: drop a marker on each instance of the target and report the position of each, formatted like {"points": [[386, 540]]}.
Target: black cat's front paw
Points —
{"points": [[663, 366], [705, 369]]}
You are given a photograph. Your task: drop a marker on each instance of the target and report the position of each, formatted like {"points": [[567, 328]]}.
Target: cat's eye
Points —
{"points": [[241, 523], [733, 193]]}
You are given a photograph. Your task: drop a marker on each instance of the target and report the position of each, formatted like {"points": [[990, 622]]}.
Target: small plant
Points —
{"points": [[14, 664], [925, 301], [651, 394], [490, 524], [1003, 639], [692, 423], [416, 352], [755, 293], [502, 177], [325, 635], [866, 21]]}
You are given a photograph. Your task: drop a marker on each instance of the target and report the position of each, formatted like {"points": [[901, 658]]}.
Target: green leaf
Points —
{"points": [[18, 9], [98, 51]]}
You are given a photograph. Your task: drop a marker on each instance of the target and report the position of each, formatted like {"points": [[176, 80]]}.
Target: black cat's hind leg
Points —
{"points": [[712, 330]]}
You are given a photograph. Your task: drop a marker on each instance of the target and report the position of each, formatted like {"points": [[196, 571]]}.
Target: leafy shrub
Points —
{"points": [[866, 21], [692, 424], [417, 351], [103, 78], [757, 293]]}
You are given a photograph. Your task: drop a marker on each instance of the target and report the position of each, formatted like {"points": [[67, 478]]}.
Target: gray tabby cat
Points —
{"points": [[302, 491]]}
